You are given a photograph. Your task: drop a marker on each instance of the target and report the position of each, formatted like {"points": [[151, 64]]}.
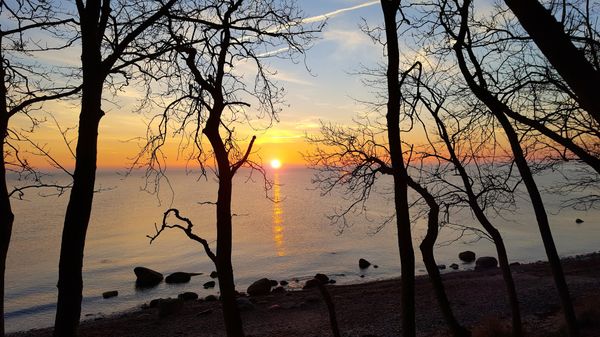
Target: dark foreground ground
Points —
{"points": [[372, 309]]}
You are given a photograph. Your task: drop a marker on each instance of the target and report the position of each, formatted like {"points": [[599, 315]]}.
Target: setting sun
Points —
{"points": [[275, 163]]}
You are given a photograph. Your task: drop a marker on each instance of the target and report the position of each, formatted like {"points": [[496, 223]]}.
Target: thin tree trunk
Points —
{"points": [[6, 217], [431, 265], [555, 44], [335, 330], [543, 224], [231, 313], [407, 255]]}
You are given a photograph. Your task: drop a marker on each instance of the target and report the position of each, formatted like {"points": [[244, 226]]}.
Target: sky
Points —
{"points": [[328, 92]]}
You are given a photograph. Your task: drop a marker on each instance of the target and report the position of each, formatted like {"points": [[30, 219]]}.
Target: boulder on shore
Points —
{"points": [[454, 266], [169, 306], [312, 283], [363, 264], [578, 220], [321, 278], [147, 277], [188, 296], [486, 262], [467, 256], [260, 287]]}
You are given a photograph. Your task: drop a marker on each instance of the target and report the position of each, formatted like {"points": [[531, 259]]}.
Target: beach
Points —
{"points": [[372, 309]]}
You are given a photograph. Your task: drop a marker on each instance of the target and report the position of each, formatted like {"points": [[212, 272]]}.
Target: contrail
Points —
{"points": [[337, 12]]}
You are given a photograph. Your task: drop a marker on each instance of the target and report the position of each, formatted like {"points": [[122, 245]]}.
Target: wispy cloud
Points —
{"points": [[337, 12]]}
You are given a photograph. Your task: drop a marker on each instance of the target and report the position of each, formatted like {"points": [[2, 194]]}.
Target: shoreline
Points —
{"points": [[372, 308]]}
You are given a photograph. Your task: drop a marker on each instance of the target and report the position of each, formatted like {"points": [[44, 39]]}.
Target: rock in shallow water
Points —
{"points": [[109, 294], [209, 284], [180, 277], [147, 277], [362, 263]]}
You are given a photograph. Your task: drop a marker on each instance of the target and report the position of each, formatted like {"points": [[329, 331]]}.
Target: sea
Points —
{"points": [[283, 233]]}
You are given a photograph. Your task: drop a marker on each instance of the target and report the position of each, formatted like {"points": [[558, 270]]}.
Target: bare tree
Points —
{"points": [[210, 96], [25, 86], [108, 29], [476, 81]]}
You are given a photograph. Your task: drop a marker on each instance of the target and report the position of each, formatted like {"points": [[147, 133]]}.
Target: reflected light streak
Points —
{"points": [[278, 237]]}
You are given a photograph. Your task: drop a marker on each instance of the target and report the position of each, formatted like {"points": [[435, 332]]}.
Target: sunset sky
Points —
{"points": [[328, 92]]}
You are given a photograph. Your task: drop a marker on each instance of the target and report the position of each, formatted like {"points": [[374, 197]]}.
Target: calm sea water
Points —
{"points": [[289, 239]]}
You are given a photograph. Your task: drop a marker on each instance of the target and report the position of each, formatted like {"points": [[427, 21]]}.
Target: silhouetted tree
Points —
{"points": [[108, 29], [581, 74], [476, 81], [210, 96], [25, 86]]}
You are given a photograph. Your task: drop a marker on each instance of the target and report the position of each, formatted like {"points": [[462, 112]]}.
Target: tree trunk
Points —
{"points": [[555, 44], [231, 313], [6, 217], [543, 224], [70, 282], [407, 255], [431, 265]]}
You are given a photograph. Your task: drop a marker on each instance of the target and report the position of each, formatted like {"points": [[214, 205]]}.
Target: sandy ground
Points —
{"points": [[372, 309]]}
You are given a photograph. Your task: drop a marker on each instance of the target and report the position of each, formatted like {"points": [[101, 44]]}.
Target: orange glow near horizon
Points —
{"points": [[278, 237]]}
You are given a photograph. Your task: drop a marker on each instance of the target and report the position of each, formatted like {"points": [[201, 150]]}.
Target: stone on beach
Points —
{"points": [[486, 262], [188, 296], [147, 277], [260, 287], [169, 306], [467, 256], [209, 284]]}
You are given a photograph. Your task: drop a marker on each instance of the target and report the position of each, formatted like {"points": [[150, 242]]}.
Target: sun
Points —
{"points": [[275, 163]]}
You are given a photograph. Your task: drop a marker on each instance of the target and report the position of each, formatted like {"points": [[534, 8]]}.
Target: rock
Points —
{"points": [[147, 277], [486, 262], [109, 294], [169, 306], [274, 283], [467, 256], [441, 266], [154, 302], [214, 274], [244, 304], [278, 290], [454, 266], [312, 283], [283, 283], [363, 264], [578, 220], [210, 298], [209, 284], [321, 278], [332, 281], [188, 296], [362, 276], [260, 287], [180, 277], [375, 266]]}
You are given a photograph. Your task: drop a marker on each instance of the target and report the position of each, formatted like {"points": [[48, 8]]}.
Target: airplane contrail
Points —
{"points": [[338, 12]]}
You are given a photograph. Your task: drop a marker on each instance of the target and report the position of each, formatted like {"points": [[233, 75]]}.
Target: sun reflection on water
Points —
{"points": [[278, 237]]}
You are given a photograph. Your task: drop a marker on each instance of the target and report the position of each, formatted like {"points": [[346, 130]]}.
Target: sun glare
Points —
{"points": [[275, 163]]}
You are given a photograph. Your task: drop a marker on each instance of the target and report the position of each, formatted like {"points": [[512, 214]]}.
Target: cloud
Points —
{"points": [[347, 40]]}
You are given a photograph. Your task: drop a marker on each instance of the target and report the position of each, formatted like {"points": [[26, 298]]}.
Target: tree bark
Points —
{"points": [[407, 255], [550, 37]]}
